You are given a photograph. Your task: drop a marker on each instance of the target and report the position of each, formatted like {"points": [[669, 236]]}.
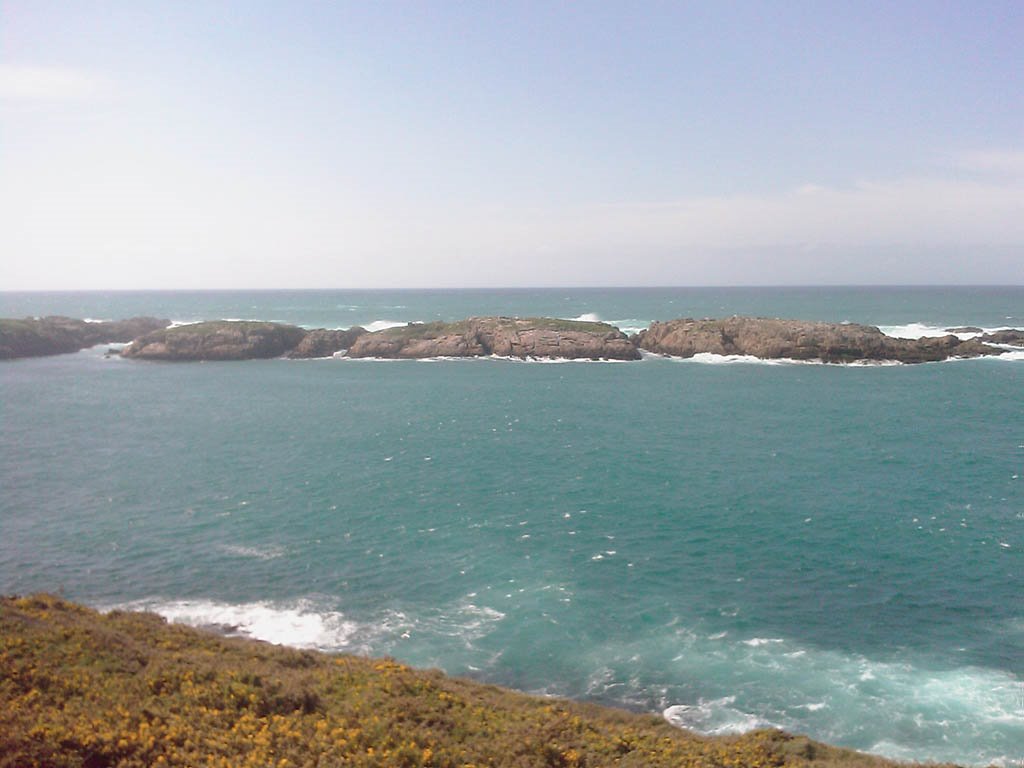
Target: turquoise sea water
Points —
{"points": [[836, 550]]}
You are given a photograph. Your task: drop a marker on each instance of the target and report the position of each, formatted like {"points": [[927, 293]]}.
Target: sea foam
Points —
{"points": [[380, 325], [299, 624], [916, 711], [923, 330], [710, 358], [714, 718], [259, 553], [315, 624]]}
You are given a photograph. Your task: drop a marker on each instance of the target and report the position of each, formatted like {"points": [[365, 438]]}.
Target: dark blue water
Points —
{"points": [[836, 550]]}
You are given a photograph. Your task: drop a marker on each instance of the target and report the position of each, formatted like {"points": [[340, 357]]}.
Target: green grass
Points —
{"points": [[558, 324], [426, 330], [82, 689]]}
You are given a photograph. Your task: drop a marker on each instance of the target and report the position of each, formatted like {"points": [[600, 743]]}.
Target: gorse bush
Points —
{"points": [[83, 689]]}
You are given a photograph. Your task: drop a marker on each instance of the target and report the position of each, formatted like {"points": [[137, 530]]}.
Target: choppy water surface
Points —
{"points": [[836, 550]]}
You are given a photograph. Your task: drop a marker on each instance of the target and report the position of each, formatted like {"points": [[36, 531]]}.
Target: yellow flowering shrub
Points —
{"points": [[79, 689]]}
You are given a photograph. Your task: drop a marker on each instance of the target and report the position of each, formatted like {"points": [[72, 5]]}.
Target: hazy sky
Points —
{"points": [[434, 144]]}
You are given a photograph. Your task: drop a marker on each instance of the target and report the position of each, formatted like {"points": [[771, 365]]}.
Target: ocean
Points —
{"points": [[834, 550]]}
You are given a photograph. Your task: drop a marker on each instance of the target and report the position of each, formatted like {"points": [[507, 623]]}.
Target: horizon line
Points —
{"points": [[424, 289]]}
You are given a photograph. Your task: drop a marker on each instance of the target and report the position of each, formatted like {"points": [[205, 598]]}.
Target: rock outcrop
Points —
{"points": [[55, 335], [542, 338], [800, 340], [1012, 336], [325, 342], [217, 340], [522, 338]]}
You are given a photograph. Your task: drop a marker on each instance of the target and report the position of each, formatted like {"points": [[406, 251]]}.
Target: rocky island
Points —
{"points": [[773, 339], [522, 338], [325, 342], [217, 340], [475, 337], [56, 335], [540, 338]]}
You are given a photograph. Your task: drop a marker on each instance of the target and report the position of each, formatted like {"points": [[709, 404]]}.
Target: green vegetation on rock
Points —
{"points": [[426, 330], [219, 326], [41, 336], [435, 329], [217, 340], [522, 338], [82, 689], [558, 324]]}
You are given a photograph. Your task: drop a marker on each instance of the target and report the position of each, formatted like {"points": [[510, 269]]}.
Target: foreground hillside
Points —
{"points": [[79, 688]]}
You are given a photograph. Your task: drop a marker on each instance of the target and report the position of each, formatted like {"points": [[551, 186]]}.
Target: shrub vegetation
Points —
{"points": [[84, 689]]}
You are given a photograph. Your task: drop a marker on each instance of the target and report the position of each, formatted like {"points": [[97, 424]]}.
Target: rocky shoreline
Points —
{"points": [[56, 335], [530, 338], [83, 688], [770, 339], [539, 338]]}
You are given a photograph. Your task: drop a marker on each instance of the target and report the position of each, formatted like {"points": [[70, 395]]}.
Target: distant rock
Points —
{"points": [[217, 340], [1011, 336], [800, 340], [325, 343], [965, 329], [538, 337], [55, 335], [522, 338]]}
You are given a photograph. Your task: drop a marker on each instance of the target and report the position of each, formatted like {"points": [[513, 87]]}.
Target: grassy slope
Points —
{"points": [[78, 688]]}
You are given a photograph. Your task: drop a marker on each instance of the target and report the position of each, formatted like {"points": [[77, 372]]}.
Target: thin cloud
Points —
{"points": [[50, 84], [1007, 163], [128, 233], [922, 212]]}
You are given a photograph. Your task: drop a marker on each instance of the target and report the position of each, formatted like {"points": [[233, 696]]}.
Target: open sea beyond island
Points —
{"points": [[836, 550]]}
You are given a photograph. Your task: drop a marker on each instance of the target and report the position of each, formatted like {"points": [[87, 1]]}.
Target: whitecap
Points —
{"points": [[348, 359], [465, 621], [552, 360], [630, 326], [919, 330], [586, 317], [714, 718], [813, 706], [922, 330], [380, 325], [1013, 354], [299, 624], [259, 553], [710, 358]]}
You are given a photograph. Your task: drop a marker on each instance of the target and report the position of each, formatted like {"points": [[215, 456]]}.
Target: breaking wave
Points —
{"points": [[300, 624], [920, 330], [380, 325], [710, 358]]}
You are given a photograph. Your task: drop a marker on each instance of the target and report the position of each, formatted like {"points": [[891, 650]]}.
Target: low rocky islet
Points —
{"points": [[510, 337]]}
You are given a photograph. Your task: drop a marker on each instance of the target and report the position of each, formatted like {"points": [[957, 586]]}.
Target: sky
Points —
{"points": [[490, 144]]}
